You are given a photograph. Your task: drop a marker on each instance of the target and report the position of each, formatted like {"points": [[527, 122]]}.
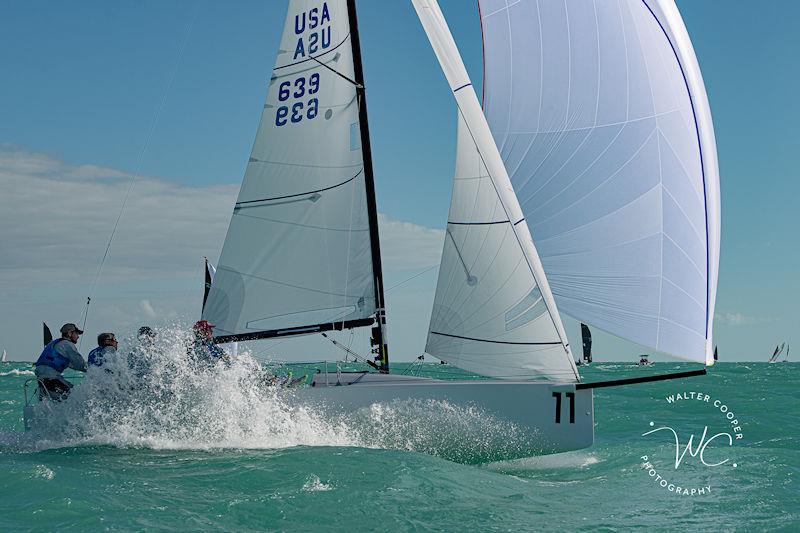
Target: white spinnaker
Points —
{"points": [[602, 120], [297, 252], [493, 312]]}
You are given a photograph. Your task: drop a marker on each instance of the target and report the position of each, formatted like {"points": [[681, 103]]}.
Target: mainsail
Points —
{"points": [[301, 254], [602, 120], [493, 311]]}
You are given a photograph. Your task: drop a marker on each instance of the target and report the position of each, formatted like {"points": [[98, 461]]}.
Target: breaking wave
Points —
{"points": [[159, 397], [17, 372]]}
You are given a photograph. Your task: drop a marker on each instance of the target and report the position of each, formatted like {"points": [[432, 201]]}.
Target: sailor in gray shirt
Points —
{"points": [[57, 356]]}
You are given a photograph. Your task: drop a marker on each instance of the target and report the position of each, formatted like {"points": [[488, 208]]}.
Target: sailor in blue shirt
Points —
{"points": [[105, 351], [57, 356]]}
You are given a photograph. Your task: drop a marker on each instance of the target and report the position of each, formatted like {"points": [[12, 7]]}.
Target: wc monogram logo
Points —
{"points": [[708, 450]]}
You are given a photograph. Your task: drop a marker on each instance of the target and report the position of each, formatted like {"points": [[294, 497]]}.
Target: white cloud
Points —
{"points": [[738, 319], [57, 217], [55, 220], [405, 245]]}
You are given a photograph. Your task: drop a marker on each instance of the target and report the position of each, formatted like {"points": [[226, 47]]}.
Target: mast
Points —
{"points": [[380, 347]]}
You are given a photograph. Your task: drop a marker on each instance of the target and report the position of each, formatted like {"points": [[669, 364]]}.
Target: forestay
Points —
{"points": [[297, 253], [493, 312], [602, 120]]}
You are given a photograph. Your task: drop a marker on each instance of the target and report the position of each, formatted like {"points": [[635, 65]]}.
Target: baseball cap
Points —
{"points": [[68, 327]]}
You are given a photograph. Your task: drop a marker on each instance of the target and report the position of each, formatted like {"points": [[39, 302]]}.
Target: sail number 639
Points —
{"points": [[299, 110]]}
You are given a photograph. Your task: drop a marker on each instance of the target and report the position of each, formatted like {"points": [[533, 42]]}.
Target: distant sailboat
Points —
{"points": [[4, 359], [777, 353], [586, 337]]}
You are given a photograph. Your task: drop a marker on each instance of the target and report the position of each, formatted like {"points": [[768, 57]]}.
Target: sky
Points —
{"points": [[94, 92]]}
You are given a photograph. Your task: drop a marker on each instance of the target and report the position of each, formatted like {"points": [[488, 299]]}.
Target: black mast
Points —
{"points": [[379, 331]]}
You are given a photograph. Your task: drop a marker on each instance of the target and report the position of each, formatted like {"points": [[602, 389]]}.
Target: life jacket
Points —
{"points": [[96, 356], [212, 350], [52, 358]]}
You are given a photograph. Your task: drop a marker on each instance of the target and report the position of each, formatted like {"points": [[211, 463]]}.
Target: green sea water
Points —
{"points": [[258, 464]]}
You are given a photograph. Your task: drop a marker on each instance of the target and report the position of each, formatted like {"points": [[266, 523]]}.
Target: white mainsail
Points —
{"points": [[298, 250], [493, 311], [602, 120], [3, 359]]}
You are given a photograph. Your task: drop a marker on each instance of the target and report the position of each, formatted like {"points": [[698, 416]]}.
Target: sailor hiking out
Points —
{"points": [[58, 355], [105, 351], [204, 349]]}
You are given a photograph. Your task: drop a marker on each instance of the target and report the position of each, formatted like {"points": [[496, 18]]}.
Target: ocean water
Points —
{"points": [[210, 450]]}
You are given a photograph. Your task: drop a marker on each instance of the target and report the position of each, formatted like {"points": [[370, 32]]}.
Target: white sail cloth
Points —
{"points": [[297, 252], [602, 120], [493, 312]]}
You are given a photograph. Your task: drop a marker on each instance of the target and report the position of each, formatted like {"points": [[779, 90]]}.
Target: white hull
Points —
{"points": [[525, 409]]}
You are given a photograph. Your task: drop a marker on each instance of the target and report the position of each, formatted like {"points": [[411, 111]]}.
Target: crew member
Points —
{"points": [[105, 351], [205, 349], [57, 356]]}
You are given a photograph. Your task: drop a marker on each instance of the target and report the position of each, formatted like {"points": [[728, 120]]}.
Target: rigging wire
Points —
{"points": [[139, 159], [418, 274]]}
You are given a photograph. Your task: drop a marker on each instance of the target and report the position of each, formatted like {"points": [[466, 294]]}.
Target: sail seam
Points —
{"points": [[238, 204], [346, 37], [288, 284], [307, 226], [556, 343]]}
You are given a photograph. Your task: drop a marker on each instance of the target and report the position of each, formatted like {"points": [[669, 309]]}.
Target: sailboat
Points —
{"points": [[586, 338], [302, 252], [4, 359], [777, 353]]}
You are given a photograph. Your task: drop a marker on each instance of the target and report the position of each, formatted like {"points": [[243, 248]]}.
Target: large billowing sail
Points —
{"points": [[298, 250], [493, 312], [602, 120]]}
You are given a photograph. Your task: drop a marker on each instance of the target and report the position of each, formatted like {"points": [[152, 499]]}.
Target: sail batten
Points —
{"points": [[298, 257]]}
